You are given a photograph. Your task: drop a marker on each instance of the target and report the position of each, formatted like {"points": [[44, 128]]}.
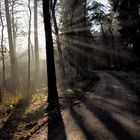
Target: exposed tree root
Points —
{"points": [[28, 134]]}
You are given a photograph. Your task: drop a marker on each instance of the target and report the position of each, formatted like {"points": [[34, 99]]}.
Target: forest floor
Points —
{"points": [[132, 79], [107, 110]]}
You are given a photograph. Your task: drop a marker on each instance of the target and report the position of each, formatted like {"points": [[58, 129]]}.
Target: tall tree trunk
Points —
{"points": [[105, 41], [61, 65], [29, 44], [0, 96], [14, 31], [37, 65], [11, 47], [54, 113], [13, 25], [33, 54], [52, 90], [56, 28], [113, 45], [2, 47]]}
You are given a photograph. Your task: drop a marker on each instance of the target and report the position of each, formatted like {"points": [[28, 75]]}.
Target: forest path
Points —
{"points": [[25, 115], [109, 111]]}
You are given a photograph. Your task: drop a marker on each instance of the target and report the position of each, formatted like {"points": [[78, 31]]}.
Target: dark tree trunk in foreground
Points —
{"points": [[55, 122], [52, 90]]}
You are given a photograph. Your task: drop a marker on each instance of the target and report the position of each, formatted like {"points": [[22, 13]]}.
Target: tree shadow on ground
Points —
{"points": [[56, 128], [126, 109], [10, 127], [80, 122], [106, 118], [34, 115], [69, 101]]}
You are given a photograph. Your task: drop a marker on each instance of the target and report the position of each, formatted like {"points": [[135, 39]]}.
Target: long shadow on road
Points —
{"points": [[80, 122], [77, 117], [10, 127], [119, 107], [106, 118], [102, 114]]}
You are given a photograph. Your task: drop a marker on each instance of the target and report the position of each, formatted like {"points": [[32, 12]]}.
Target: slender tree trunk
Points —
{"points": [[113, 45], [61, 65], [2, 37], [106, 53], [29, 44], [37, 65], [0, 96], [56, 28], [57, 35], [84, 60], [11, 47], [13, 26], [33, 56], [14, 30], [52, 90]]}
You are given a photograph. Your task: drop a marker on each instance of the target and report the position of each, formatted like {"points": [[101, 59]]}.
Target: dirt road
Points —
{"points": [[109, 111]]}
